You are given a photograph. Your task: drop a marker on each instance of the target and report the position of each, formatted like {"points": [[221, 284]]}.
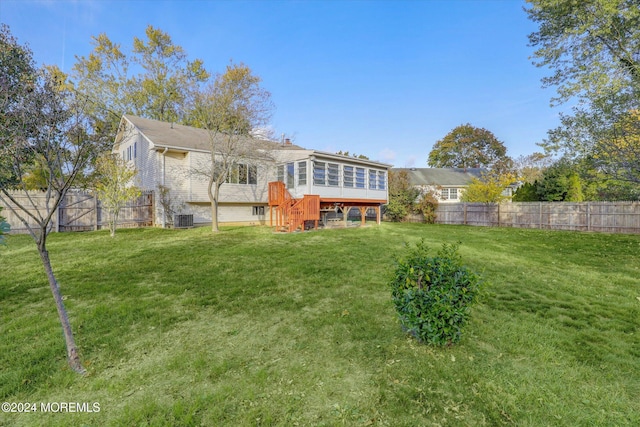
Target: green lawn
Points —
{"points": [[247, 327]]}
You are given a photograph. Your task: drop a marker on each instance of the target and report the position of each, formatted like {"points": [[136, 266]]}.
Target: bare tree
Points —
{"points": [[231, 109], [41, 121]]}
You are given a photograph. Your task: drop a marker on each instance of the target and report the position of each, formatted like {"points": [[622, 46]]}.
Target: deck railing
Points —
{"points": [[292, 213]]}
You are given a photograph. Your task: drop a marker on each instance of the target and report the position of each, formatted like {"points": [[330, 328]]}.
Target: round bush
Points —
{"points": [[432, 294]]}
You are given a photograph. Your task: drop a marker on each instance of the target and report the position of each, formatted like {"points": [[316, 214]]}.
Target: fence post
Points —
{"points": [[499, 223], [540, 215], [588, 216], [464, 209], [95, 209]]}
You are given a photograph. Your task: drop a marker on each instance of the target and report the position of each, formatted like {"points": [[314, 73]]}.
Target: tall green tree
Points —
{"points": [[593, 50], [41, 120], [402, 196], [560, 182], [231, 109], [467, 146], [154, 79]]}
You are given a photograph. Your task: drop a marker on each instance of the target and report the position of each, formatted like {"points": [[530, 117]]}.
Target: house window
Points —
{"points": [[241, 173], [290, 175], [319, 173], [258, 210], [302, 173], [372, 179], [360, 178], [135, 150], [333, 174], [280, 173], [449, 194], [348, 176], [253, 174], [381, 180]]}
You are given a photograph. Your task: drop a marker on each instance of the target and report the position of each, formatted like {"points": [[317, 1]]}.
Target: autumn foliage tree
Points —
{"points": [[489, 188], [114, 186], [467, 146], [231, 109], [152, 79]]}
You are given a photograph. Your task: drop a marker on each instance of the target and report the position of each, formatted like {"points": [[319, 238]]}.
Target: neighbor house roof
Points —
{"points": [[176, 136], [441, 176]]}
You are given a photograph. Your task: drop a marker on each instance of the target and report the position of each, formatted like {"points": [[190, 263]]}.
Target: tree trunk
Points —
{"points": [[113, 223], [214, 192], [214, 212], [72, 350]]}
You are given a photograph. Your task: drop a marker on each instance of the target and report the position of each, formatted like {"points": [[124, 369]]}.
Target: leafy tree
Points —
{"points": [[114, 186], [155, 80], [489, 188], [230, 109], [526, 193], [593, 48], [42, 121], [619, 155], [402, 196], [467, 146], [560, 182], [529, 168], [574, 189]]}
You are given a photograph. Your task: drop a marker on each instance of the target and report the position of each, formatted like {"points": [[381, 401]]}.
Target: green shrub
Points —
{"points": [[432, 295], [4, 228], [427, 206], [396, 211]]}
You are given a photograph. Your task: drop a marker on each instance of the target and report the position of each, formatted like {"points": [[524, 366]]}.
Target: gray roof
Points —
{"points": [[173, 135], [441, 176]]}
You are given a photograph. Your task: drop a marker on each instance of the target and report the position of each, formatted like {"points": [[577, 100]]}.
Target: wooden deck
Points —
{"points": [[292, 214]]}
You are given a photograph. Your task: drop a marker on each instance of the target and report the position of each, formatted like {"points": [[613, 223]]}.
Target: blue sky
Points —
{"points": [[382, 78]]}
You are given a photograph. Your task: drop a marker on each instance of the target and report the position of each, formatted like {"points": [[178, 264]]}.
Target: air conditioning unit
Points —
{"points": [[183, 221]]}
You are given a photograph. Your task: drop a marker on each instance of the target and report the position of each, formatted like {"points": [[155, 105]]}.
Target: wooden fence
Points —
{"points": [[81, 211], [606, 217]]}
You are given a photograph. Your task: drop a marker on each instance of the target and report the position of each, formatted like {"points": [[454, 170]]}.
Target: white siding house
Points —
{"points": [[167, 154], [447, 183]]}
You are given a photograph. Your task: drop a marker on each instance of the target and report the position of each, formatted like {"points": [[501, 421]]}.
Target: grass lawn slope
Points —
{"points": [[247, 327]]}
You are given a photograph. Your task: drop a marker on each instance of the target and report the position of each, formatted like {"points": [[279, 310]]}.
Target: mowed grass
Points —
{"points": [[248, 327]]}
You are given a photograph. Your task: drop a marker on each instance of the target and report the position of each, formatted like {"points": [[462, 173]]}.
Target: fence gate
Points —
{"points": [[78, 212]]}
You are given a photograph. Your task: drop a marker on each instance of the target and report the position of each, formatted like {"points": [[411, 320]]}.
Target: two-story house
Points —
{"points": [[261, 189]]}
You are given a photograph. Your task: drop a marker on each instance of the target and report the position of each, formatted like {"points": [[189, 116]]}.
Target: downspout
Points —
{"points": [[164, 211]]}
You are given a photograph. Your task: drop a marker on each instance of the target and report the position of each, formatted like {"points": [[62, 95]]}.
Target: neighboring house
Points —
{"points": [[165, 155], [447, 183]]}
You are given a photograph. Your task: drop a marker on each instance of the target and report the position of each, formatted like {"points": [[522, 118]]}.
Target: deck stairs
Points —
{"points": [[292, 214]]}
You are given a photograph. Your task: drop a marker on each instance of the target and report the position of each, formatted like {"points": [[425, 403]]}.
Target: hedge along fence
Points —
{"points": [[82, 211], [606, 217]]}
